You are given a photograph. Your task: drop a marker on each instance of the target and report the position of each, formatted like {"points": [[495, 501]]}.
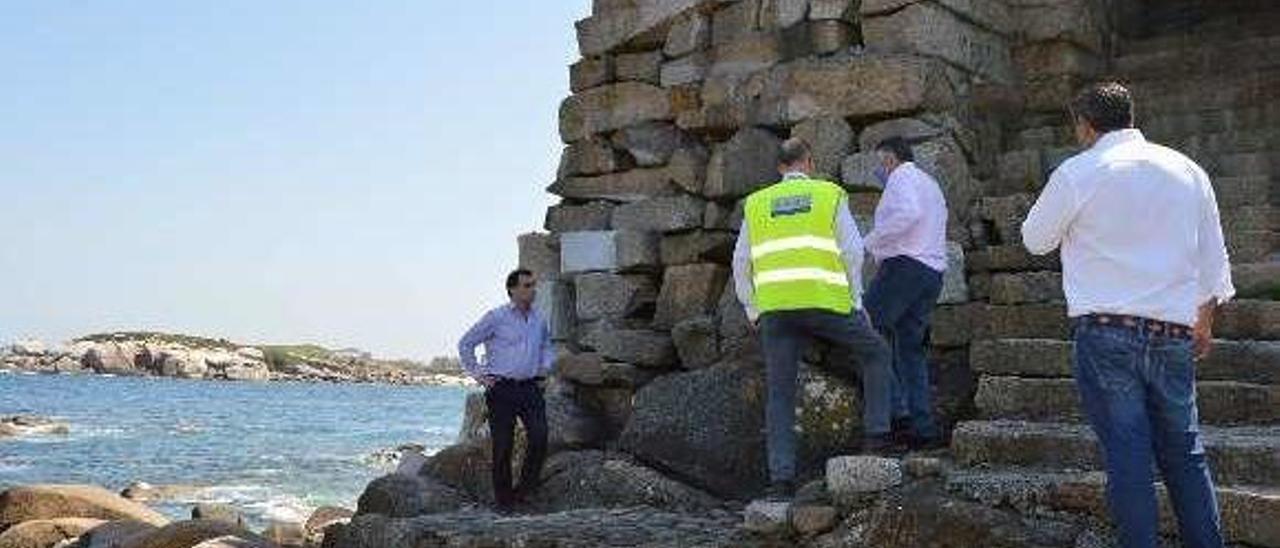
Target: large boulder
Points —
{"points": [[402, 496], [22, 425], [35, 502], [43, 533], [180, 362], [112, 357], [321, 519], [186, 534], [113, 534], [594, 479], [706, 427]]}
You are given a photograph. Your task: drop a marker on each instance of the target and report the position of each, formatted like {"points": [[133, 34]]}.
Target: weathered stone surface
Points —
{"points": [[789, 13], [689, 33], [590, 72], [111, 357], [699, 246], [690, 69], [688, 291], [852, 87], [612, 107], [637, 251], [734, 20], [638, 67], [944, 159], [696, 342], [809, 520], [850, 477], [637, 24], [954, 288], [991, 15], [35, 502], [635, 346], [1055, 58], [1219, 402], [626, 186], [1026, 287], [652, 144], [660, 214], [721, 216], [591, 156], [929, 29], [217, 511], [829, 37], [553, 299], [638, 526], [539, 252], [1080, 23], [736, 331], [746, 55], [831, 140], [1257, 280], [1010, 257], [767, 517], [857, 172], [401, 496], [833, 10], [584, 368], [1006, 213], [1248, 319], [688, 168], [588, 251], [182, 534], [745, 163], [45, 533], [578, 218], [285, 534], [594, 479], [1243, 361], [611, 296], [322, 518]]}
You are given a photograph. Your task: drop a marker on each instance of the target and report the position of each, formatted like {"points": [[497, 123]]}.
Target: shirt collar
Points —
{"points": [[794, 175], [1118, 137]]}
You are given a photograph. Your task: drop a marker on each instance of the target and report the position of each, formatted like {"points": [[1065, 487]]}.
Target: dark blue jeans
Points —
{"points": [[1138, 391], [860, 354], [901, 300]]}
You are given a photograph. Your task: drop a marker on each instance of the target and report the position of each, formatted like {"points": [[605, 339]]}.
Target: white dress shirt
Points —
{"points": [[847, 238], [1139, 230], [911, 219]]}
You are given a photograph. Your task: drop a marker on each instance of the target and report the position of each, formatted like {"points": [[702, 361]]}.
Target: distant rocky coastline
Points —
{"points": [[189, 357]]}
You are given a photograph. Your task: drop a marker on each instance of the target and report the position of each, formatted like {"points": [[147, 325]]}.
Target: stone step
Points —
{"points": [[1238, 455], [1250, 515], [1041, 399], [1248, 53], [959, 325], [1242, 361]]}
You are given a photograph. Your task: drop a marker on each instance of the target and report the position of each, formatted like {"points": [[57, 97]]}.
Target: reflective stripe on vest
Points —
{"points": [[796, 242], [802, 274]]}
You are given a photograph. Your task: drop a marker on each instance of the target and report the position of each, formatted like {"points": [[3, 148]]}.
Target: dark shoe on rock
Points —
{"points": [[780, 490]]}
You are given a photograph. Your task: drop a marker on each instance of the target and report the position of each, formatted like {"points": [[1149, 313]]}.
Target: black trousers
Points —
{"points": [[508, 400]]}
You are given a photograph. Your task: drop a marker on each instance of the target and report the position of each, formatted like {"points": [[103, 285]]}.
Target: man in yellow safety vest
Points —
{"points": [[797, 268]]}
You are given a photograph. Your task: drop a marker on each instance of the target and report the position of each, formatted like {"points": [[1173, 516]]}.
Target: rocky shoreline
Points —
{"points": [[169, 356]]}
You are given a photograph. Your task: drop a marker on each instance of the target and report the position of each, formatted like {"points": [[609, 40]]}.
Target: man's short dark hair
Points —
{"points": [[513, 279], [793, 151], [898, 147], [1105, 106]]}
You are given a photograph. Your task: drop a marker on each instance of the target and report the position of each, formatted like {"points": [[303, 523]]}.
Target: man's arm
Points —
{"points": [[849, 239], [1046, 223], [1214, 267], [897, 212], [743, 284], [477, 335]]}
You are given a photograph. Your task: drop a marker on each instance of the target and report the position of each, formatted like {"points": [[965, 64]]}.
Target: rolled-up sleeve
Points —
{"points": [[1046, 224], [1211, 251], [743, 284], [477, 335]]}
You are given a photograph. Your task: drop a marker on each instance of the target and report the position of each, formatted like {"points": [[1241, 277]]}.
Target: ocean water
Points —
{"points": [[275, 451]]}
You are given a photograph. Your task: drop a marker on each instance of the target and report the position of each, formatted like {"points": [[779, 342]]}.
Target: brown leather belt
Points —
{"points": [[1154, 327]]}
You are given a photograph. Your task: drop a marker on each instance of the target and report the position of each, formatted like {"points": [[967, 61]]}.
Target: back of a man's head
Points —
{"points": [[1105, 106], [898, 147], [793, 152]]}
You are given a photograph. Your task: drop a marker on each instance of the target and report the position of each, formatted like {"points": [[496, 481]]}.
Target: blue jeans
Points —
{"points": [[900, 300], [1138, 392], [861, 354]]}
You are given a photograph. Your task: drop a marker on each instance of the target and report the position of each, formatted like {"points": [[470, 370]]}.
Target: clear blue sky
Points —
{"points": [[344, 173]]}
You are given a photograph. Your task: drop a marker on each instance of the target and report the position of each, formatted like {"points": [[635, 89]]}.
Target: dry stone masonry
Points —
{"points": [[676, 113]]}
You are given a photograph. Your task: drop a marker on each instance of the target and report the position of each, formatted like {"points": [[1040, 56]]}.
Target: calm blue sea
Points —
{"points": [[274, 450]]}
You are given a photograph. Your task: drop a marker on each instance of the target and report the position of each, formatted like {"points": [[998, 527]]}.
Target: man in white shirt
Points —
{"points": [[1144, 266], [909, 243]]}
